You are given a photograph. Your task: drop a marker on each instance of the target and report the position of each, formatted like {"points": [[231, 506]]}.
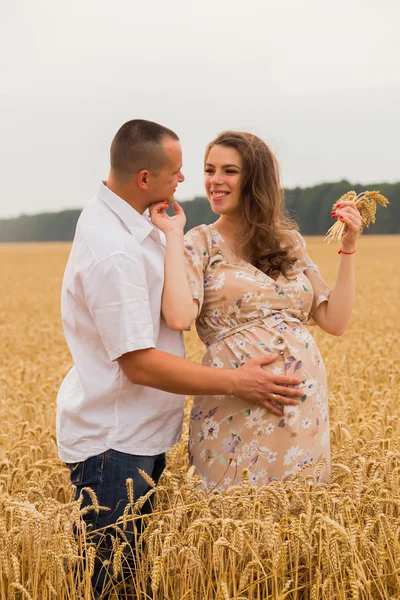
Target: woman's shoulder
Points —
{"points": [[199, 230], [198, 245], [201, 235], [295, 239]]}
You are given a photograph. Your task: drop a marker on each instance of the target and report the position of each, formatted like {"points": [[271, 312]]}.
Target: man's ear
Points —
{"points": [[143, 179]]}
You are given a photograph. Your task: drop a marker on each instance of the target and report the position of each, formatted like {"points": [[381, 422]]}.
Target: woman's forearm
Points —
{"points": [[178, 307], [334, 316]]}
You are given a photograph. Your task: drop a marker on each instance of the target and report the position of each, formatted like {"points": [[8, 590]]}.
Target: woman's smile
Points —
{"points": [[218, 195]]}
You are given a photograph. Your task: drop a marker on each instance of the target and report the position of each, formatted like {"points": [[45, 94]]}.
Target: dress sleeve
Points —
{"points": [[321, 289], [197, 259]]}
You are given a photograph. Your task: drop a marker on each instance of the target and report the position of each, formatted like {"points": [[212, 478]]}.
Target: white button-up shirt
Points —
{"points": [[111, 304]]}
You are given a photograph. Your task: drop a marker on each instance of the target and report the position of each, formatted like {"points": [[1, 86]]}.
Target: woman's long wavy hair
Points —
{"points": [[261, 235]]}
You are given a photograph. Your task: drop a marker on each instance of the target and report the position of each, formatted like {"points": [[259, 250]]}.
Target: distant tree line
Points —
{"points": [[310, 207]]}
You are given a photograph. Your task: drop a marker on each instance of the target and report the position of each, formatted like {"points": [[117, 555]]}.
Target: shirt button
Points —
{"points": [[280, 341]]}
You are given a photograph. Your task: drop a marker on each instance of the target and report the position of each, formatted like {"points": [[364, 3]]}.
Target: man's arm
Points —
{"points": [[156, 369]]}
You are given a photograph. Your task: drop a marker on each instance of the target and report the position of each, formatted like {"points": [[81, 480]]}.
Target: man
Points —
{"points": [[120, 407]]}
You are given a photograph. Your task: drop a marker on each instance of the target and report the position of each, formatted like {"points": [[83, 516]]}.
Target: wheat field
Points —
{"points": [[297, 541]]}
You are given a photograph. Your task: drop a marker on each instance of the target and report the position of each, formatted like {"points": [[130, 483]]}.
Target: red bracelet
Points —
{"points": [[343, 252]]}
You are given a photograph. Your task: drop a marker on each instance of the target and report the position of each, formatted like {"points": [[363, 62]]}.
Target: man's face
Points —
{"points": [[165, 182]]}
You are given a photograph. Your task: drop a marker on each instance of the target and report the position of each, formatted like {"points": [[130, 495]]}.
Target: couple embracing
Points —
{"points": [[134, 282]]}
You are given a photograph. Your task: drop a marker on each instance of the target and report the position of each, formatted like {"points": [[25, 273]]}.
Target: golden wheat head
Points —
{"points": [[366, 205]]}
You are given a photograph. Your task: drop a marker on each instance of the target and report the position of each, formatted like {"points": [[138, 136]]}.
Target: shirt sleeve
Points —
{"points": [[196, 258], [118, 300], [321, 289]]}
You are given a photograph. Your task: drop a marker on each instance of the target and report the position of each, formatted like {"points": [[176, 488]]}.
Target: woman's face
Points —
{"points": [[222, 179]]}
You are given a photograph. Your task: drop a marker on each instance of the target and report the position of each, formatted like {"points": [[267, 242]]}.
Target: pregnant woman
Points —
{"points": [[251, 287]]}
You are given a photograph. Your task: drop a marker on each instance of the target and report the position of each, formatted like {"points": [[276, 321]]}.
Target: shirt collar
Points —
{"points": [[139, 225]]}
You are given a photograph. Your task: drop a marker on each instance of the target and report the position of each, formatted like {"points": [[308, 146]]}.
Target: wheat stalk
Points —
{"points": [[366, 205]]}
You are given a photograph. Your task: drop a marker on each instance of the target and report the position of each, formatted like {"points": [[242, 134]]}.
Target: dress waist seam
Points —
{"points": [[269, 321]]}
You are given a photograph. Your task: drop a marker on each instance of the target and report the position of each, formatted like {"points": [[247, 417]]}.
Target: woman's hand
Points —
{"points": [[160, 219], [348, 213]]}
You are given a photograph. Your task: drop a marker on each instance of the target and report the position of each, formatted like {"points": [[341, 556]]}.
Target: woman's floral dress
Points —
{"points": [[244, 313]]}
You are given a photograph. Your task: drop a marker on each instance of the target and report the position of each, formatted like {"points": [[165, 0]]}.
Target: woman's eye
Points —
{"points": [[208, 171], [232, 172]]}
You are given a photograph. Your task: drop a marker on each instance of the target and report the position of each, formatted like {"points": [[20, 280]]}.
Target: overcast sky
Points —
{"points": [[318, 80]]}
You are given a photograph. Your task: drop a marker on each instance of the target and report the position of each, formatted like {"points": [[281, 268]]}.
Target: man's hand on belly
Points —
{"points": [[253, 383]]}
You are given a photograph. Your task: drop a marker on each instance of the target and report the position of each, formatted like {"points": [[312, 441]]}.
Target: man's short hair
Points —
{"points": [[137, 145]]}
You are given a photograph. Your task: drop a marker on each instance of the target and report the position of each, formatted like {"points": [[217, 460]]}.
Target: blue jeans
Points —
{"points": [[106, 475]]}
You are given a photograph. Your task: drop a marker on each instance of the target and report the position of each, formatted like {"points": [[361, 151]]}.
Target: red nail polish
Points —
{"points": [[341, 217], [338, 205]]}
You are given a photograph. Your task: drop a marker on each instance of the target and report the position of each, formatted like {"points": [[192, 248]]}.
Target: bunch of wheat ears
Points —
{"points": [[366, 205]]}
